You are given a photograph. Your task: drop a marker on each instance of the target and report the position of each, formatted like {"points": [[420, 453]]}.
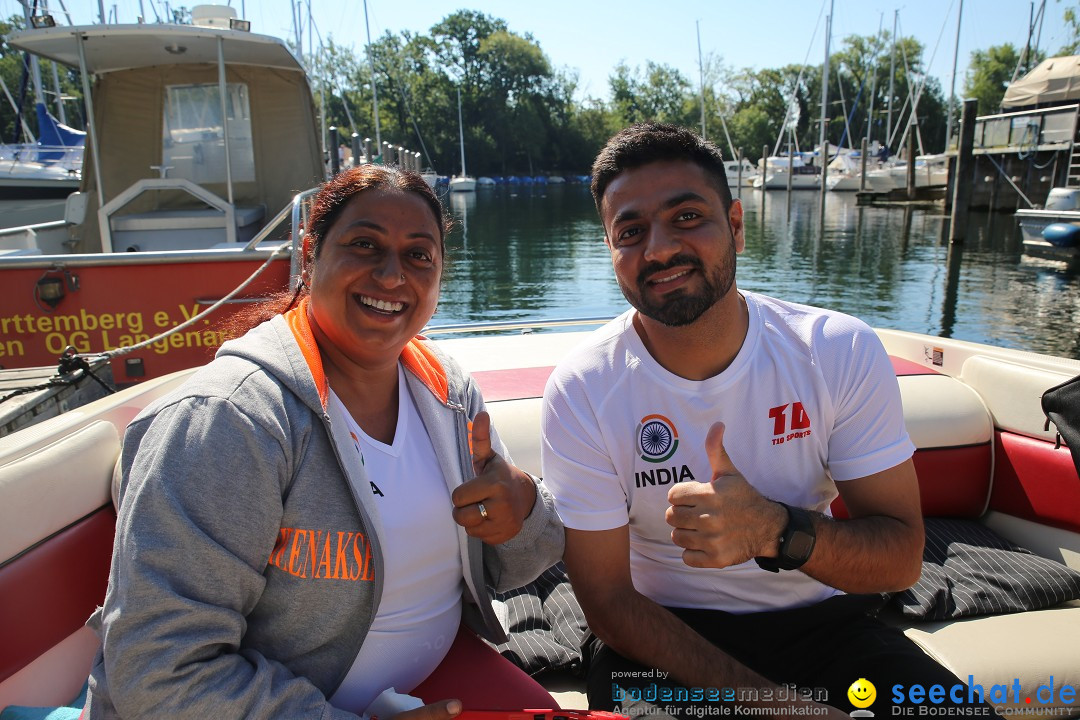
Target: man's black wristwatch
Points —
{"points": [[796, 543]]}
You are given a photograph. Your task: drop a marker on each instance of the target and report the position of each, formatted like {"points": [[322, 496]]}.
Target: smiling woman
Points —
{"points": [[330, 460]]}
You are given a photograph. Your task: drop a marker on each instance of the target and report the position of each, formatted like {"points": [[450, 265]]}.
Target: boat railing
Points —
{"points": [[301, 209], [523, 326], [12, 157]]}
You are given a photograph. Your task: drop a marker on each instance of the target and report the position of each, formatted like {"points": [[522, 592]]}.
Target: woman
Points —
{"points": [[302, 525]]}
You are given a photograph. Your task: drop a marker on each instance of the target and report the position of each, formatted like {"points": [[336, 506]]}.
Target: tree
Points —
{"points": [[989, 74], [1072, 24]]}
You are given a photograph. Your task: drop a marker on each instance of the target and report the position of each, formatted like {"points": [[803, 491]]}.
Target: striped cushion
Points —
{"points": [[969, 569]]}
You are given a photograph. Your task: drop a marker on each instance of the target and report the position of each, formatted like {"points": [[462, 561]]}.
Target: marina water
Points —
{"points": [[537, 253]]}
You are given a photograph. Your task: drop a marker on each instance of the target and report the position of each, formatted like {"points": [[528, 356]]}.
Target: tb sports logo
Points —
{"points": [[785, 419], [657, 438]]}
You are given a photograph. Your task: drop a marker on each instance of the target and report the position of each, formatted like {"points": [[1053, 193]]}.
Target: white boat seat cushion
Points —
{"points": [[50, 488]]}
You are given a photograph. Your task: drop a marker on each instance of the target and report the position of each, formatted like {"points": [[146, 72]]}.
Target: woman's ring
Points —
{"points": [[483, 510]]}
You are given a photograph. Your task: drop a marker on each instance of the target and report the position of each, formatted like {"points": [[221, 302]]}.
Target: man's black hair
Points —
{"points": [[645, 143]]}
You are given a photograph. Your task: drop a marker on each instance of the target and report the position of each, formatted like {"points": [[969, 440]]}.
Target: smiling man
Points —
{"points": [[694, 446]]}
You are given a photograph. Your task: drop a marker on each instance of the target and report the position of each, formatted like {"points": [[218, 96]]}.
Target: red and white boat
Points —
{"points": [[972, 410], [199, 138]]}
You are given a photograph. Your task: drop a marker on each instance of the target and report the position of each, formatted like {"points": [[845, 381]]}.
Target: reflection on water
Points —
{"points": [[538, 253]]}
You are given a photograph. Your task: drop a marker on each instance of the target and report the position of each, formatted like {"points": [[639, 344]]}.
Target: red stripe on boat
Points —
{"points": [[516, 384], [904, 367]]}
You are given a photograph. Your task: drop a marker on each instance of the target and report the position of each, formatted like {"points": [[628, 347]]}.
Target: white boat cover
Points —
{"points": [[1053, 80]]}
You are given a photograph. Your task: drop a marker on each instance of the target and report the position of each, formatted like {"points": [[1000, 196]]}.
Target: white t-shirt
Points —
{"points": [[810, 398], [420, 610]]}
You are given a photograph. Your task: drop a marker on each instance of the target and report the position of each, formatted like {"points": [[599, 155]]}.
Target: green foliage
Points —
{"points": [[520, 114], [989, 74], [1072, 24]]}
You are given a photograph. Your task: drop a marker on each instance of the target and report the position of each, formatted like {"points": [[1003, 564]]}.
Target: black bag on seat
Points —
{"points": [[1061, 405]]}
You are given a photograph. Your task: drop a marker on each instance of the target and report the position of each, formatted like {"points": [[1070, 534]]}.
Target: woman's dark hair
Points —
{"points": [[333, 196]]}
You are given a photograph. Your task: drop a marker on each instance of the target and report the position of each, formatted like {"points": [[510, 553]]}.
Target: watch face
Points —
{"points": [[799, 546]]}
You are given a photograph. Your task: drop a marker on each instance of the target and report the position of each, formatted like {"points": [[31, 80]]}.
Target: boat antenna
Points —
{"points": [[892, 78], [798, 80], [374, 85], [825, 89], [873, 84], [461, 131], [952, 86], [1034, 19], [701, 73]]}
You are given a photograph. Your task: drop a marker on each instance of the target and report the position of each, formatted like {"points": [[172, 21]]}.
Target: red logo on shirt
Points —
{"points": [[790, 422]]}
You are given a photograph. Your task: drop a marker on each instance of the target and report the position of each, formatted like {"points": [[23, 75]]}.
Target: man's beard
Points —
{"points": [[681, 307]]}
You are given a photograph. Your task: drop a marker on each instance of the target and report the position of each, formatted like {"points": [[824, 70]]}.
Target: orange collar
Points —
{"points": [[417, 357]]}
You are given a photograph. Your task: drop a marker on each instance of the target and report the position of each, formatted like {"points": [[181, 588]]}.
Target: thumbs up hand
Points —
{"points": [[726, 521], [494, 504]]}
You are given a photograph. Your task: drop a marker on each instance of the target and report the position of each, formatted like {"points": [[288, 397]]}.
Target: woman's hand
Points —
{"points": [[442, 710], [493, 505]]}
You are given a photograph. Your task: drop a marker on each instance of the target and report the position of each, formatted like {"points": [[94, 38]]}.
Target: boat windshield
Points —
{"points": [[193, 143]]}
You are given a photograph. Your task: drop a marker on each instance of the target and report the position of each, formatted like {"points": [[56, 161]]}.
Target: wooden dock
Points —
{"points": [[54, 394]]}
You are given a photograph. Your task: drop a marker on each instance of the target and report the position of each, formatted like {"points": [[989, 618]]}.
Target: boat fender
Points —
{"points": [[1062, 234]]}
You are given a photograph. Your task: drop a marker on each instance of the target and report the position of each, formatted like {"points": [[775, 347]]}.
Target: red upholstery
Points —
{"points": [[1034, 481], [903, 367], [48, 592], [953, 482], [517, 384]]}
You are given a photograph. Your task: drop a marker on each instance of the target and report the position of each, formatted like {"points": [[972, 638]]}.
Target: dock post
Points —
{"points": [[738, 159], [862, 169], [964, 166], [335, 159], [764, 165], [367, 150], [825, 164], [355, 149], [911, 164]]}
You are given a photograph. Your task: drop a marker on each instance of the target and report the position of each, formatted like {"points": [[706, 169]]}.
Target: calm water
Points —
{"points": [[538, 253]]}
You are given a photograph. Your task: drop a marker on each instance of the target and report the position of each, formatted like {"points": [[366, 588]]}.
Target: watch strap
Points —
{"points": [[796, 542]]}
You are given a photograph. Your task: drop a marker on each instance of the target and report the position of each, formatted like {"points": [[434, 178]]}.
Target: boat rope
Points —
{"points": [[72, 369], [1009, 180], [282, 250]]}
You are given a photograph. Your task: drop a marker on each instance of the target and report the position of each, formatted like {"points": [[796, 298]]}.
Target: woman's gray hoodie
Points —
{"points": [[247, 570]]}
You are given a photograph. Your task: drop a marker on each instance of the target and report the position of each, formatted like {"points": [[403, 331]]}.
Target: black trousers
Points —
{"points": [[814, 652]]}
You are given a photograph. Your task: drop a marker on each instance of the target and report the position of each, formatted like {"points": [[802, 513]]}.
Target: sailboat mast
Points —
{"points": [[374, 89], [825, 89], [892, 76], [701, 71], [952, 87], [461, 132]]}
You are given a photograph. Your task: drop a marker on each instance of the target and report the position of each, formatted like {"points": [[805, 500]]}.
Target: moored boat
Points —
{"points": [[184, 179], [1062, 208], [972, 411]]}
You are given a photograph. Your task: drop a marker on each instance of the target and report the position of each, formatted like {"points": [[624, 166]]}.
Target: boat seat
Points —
{"points": [[58, 521], [189, 229], [190, 219]]}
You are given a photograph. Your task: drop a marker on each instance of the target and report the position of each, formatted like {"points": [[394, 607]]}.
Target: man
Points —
{"points": [[694, 446]]}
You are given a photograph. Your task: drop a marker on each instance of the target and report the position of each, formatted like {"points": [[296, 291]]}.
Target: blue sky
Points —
{"points": [[592, 36]]}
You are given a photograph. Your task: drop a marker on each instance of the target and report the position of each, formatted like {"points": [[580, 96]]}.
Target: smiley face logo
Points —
{"points": [[862, 693]]}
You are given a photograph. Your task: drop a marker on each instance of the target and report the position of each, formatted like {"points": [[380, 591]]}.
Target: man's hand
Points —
{"points": [[726, 521], [493, 505]]}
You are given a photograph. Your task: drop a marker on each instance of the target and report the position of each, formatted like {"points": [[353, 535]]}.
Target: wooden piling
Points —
{"points": [[962, 180], [738, 159], [911, 163], [862, 170]]}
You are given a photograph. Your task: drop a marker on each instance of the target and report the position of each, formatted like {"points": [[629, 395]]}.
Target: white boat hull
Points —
{"points": [[463, 184]]}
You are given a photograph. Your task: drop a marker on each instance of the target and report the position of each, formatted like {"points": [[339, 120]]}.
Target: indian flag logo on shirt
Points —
{"points": [[657, 438]]}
